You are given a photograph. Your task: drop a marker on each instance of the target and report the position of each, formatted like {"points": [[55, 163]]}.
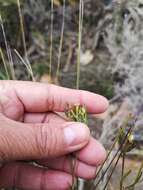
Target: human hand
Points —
{"points": [[30, 129]]}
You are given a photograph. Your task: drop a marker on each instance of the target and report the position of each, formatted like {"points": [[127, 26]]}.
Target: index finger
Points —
{"points": [[40, 97]]}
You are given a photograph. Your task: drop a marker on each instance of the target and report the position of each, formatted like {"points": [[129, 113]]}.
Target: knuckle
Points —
{"points": [[46, 140], [53, 101], [10, 107], [50, 98]]}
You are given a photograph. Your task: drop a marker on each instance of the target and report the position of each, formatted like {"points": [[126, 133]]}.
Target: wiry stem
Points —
{"points": [[28, 66], [112, 171], [4, 63], [11, 64], [8, 51], [61, 41], [4, 36], [119, 149], [81, 11], [112, 147], [22, 30], [51, 38], [123, 167]]}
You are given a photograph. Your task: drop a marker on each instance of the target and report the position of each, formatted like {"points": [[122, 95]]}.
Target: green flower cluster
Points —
{"points": [[77, 113]]}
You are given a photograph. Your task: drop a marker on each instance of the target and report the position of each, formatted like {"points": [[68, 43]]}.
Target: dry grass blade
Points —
{"points": [[11, 64], [51, 38], [100, 169], [123, 168], [22, 29], [109, 177], [5, 40], [8, 51], [112, 160], [27, 65], [4, 63], [61, 41], [81, 12]]}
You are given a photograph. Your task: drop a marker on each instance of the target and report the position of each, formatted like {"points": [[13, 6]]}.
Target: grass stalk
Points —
{"points": [[100, 169], [112, 147], [81, 12], [5, 40], [22, 29], [28, 66], [11, 64], [4, 63], [109, 177], [122, 172], [112, 160], [61, 41], [51, 38], [8, 51]]}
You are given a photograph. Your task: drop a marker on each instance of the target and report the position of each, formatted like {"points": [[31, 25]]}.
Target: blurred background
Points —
{"points": [[95, 45]]}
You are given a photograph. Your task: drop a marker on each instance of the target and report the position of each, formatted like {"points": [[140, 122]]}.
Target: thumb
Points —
{"points": [[20, 141]]}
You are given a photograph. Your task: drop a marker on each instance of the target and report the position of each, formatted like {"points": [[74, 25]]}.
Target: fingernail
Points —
{"points": [[76, 134]]}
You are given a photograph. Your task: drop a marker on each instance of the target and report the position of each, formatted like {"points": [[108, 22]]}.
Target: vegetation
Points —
{"points": [[86, 45]]}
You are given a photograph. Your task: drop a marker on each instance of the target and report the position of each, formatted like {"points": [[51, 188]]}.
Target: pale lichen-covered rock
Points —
{"points": [[121, 31]]}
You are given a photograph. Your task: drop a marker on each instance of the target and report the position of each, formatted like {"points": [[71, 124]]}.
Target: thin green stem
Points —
{"points": [[112, 147], [28, 66], [119, 149], [122, 172], [51, 38], [5, 40], [107, 156], [11, 64], [81, 11], [4, 63], [112, 171], [22, 29], [61, 41]]}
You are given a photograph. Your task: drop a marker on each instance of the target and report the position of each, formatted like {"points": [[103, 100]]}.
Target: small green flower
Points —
{"points": [[128, 143], [77, 113]]}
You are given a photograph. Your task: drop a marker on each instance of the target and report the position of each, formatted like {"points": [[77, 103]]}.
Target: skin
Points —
{"points": [[32, 129]]}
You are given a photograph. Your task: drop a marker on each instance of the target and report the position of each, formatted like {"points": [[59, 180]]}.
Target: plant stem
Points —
{"points": [[81, 10], [27, 65], [123, 167], [119, 149], [113, 145], [51, 38], [4, 63], [112, 171], [5, 40], [22, 30], [61, 41]]}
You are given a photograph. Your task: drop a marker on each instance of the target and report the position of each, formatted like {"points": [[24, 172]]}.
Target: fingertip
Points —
{"points": [[85, 171], [93, 153], [94, 103], [101, 154], [101, 104]]}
